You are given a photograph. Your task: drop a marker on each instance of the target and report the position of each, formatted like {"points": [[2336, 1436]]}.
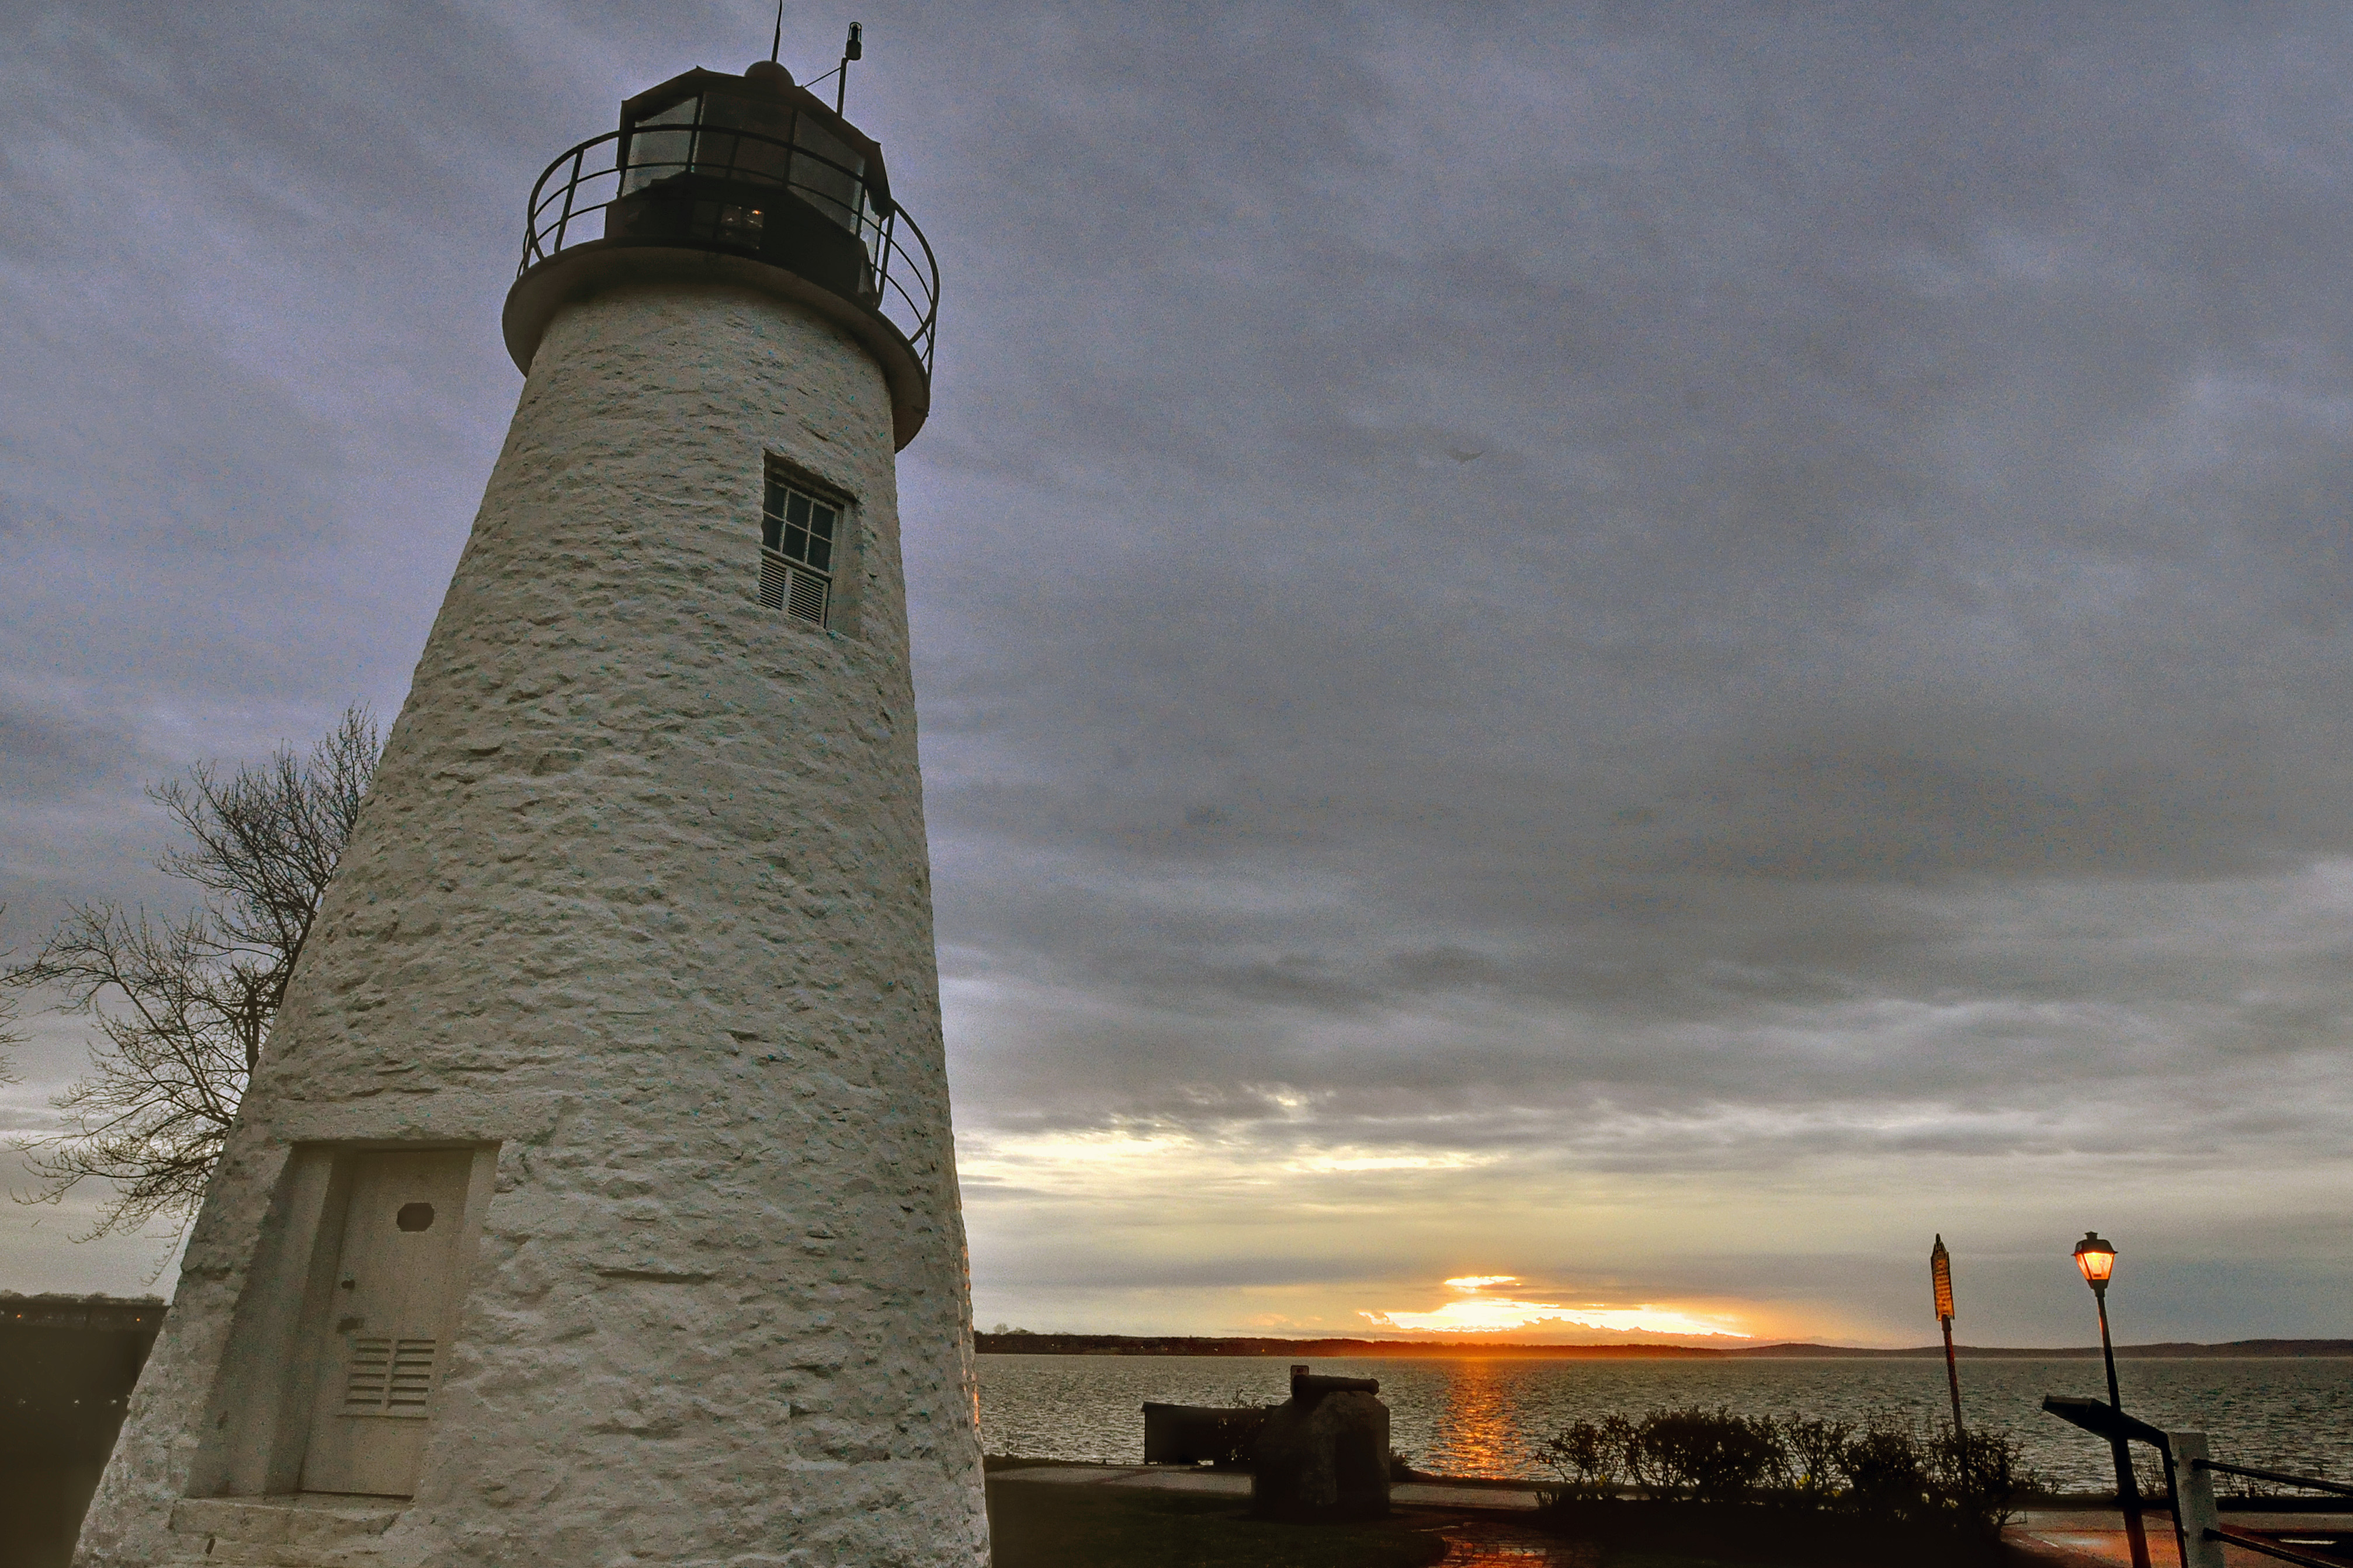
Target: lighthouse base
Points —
{"points": [[302, 1531]]}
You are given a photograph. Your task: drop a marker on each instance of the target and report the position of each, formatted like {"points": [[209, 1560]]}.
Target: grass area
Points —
{"points": [[1039, 1526]]}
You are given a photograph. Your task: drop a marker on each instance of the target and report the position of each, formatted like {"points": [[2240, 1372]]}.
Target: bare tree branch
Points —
{"points": [[183, 1008], [9, 1036]]}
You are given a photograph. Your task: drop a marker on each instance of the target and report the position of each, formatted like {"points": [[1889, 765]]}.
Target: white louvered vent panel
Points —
{"points": [[788, 585], [389, 1376], [808, 603], [412, 1377], [368, 1374]]}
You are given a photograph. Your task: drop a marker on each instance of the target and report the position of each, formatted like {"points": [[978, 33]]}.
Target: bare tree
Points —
{"points": [[183, 1006], [8, 1035]]}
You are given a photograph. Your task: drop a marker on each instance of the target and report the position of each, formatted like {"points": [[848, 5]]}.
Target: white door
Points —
{"points": [[386, 1332]]}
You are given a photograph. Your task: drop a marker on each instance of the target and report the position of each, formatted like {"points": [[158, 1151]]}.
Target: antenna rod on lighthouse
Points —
{"points": [[777, 40], [855, 49]]}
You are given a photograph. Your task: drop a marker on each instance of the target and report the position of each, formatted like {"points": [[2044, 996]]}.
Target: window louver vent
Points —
{"points": [[807, 600], [389, 1376], [799, 592]]}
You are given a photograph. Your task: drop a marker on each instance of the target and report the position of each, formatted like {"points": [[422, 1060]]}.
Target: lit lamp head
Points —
{"points": [[2098, 1260], [1940, 1274]]}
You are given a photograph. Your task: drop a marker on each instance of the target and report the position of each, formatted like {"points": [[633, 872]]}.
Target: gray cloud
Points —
{"points": [[1876, 686]]}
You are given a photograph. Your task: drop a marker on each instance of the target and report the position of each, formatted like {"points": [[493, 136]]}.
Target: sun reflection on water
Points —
{"points": [[1474, 1425]]}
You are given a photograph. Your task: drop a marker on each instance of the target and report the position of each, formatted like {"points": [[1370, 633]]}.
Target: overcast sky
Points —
{"points": [[1646, 652]]}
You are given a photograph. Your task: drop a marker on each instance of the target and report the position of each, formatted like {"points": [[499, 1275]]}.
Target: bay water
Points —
{"points": [[1463, 1416]]}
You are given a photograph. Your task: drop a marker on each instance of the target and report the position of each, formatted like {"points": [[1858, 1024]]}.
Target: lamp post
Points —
{"points": [[2098, 1260], [1940, 1275]]}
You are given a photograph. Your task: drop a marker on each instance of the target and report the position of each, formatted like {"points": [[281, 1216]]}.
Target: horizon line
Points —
{"points": [[2274, 1346]]}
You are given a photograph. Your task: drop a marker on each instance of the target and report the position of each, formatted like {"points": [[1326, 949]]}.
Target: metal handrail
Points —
{"points": [[2253, 1542], [904, 283], [2313, 1482]]}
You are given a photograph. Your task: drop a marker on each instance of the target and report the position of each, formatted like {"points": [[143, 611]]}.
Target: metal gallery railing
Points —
{"points": [[577, 200]]}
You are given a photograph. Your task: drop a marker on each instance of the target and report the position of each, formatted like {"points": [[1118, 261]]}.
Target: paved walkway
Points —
{"points": [[1501, 1497], [2059, 1537], [2086, 1537], [1490, 1542]]}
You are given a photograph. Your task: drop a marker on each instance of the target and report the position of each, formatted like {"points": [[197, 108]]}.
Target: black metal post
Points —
{"points": [[855, 49], [2128, 1488]]}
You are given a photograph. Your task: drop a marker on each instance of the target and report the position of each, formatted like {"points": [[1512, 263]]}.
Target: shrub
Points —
{"points": [[1886, 1473], [1812, 1456], [1980, 1478], [1706, 1455], [1959, 1487], [1585, 1457]]}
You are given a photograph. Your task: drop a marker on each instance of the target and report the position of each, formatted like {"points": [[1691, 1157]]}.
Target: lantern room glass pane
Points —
{"points": [[833, 181], [764, 157], [662, 144]]}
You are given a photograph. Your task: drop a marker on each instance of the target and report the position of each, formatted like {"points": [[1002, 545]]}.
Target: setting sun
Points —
{"points": [[1474, 1312]]}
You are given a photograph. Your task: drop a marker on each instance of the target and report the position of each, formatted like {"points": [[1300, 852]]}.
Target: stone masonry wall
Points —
{"points": [[642, 893]]}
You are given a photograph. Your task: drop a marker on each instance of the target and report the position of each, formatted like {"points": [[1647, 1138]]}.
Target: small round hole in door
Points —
{"points": [[413, 1216]]}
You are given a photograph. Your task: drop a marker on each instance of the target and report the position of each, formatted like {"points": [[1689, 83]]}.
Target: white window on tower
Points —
{"points": [[800, 542]]}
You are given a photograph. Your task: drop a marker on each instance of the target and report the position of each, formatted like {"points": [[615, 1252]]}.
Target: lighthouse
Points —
{"points": [[595, 1199]]}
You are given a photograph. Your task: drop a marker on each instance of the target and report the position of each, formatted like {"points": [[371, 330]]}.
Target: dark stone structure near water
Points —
{"points": [[1324, 1453]]}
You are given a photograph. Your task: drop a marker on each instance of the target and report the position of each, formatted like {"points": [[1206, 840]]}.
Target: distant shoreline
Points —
{"points": [[1191, 1345]]}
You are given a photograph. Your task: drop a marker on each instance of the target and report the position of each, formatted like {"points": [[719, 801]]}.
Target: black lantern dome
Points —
{"points": [[749, 178]]}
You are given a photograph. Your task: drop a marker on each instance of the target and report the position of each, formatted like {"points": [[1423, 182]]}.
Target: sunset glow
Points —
{"points": [[1474, 1312]]}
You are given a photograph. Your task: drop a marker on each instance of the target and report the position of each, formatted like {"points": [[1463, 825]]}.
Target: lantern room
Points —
{"points": [[753, 179], [756, 164]]}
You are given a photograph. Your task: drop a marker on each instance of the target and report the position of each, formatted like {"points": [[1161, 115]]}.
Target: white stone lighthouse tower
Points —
{"points": [[595, 1202]]}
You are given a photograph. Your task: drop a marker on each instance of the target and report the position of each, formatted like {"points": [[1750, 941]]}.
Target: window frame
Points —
{"points": [[779, 572]]}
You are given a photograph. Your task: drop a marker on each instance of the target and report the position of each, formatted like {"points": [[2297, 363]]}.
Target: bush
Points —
{"points": [[1958, 1487], [1887, 1474], [1982, 1478], [1587, 1455], [1707, 1455], [1812, 1456]]}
